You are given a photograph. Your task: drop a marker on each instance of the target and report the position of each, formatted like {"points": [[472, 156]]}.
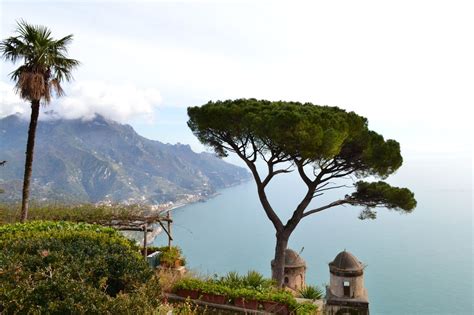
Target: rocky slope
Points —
{"points": [[99, 160]]}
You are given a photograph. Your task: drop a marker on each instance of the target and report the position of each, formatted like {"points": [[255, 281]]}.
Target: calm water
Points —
{"points": [[416, 264]]}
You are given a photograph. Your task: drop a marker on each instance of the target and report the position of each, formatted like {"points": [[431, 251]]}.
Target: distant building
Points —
{"points": [[346, 293], [295, 270]]}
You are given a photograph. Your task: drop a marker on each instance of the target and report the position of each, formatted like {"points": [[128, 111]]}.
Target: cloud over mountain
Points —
{"points": [[85, 99]]}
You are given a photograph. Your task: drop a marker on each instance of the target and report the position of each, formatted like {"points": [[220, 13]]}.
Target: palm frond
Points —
{"points": [[13, 49], [62, 74], [46, 63], [15, 74], [61, 44], [31, 86], [55, 84]]}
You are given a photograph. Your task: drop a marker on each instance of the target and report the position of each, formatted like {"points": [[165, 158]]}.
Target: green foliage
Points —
{"points": [[295, 131], [90, 213], [235, 286], [322, 143], [188, 284], [215, 288], [252, 280], [203, 286], [63, 267], [306, 309], [311, 292], [245, 293], [169, 255], [33, 227], [232, 279], [45, 61], [379, 193], [280, 296]]}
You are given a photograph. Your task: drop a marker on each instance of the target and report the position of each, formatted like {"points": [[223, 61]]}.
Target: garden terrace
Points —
{"points": [[119, 217], [251, 293]]}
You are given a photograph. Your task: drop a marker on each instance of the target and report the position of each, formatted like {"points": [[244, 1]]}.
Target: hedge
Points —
{"points": [[66, 268]]}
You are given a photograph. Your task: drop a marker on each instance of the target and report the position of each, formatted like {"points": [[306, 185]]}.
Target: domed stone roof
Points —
{"points": [[292, 259], [346, 262]]}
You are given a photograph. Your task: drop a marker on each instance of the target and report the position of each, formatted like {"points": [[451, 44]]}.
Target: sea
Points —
{"points": [[417, 263]]}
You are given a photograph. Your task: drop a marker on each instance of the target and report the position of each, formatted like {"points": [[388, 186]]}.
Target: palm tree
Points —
{"points": [[45, 66]]}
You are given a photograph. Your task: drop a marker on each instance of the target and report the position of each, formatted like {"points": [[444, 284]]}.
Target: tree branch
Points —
{"points": [[337, 174], [261, 190], [331, 205], [272, 173], [304, 177], [330, 188]]}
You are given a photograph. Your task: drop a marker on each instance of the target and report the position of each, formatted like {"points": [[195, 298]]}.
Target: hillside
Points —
{"points": [[102, 160]]}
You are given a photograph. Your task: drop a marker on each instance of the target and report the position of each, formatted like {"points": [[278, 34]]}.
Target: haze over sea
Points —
{"points": [[419, 263]]}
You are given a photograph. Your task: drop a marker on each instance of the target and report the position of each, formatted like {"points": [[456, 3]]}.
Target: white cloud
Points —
{"points": [[120, 102], [406, 66], [10, 102]]}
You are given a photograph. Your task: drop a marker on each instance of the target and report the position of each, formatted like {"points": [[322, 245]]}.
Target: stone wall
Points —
{"points": [[296, 278], [357, 289], [344, 310]]}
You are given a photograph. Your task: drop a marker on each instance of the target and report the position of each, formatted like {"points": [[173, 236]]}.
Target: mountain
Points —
{"points": [[102, 160]]}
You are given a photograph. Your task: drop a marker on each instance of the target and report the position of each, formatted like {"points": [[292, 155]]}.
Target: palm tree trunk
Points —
{"points": [[30, 145]]}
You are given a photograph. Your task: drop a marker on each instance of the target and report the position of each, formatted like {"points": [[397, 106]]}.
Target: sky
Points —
{"points": [[407, 66]]}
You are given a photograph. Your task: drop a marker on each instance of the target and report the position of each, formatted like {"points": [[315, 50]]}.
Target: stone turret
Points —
{"points": [[346, 293], [295, 270]]}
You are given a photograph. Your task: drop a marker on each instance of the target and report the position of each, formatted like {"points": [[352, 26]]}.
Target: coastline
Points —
{"points": [[205, 198]]}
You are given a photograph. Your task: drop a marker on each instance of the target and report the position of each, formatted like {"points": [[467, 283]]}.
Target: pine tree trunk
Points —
{"points": [[35, 105], [278, 266]]}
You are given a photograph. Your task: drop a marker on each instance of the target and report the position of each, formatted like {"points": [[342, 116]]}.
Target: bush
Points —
{"points": [[252, 280], [63, 267], [170, 255], [228, 286], [280, 296], [232, 279], [311, 292], [188, 284], [306, 309]]}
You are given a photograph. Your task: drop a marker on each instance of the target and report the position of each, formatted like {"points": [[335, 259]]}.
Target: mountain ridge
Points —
{"points": [[102, 160]]}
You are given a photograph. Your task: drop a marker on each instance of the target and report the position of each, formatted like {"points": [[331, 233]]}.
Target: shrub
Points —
{"points": [[311, 292], [188, 284], [215, 288], [245, 293], [232, 279], [254, 280], [280, 296], [63, 267], [222, 287], [306, 309], [169, 255]]}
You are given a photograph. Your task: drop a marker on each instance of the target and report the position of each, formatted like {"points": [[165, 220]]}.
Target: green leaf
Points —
{"points": [[381, 194]]}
